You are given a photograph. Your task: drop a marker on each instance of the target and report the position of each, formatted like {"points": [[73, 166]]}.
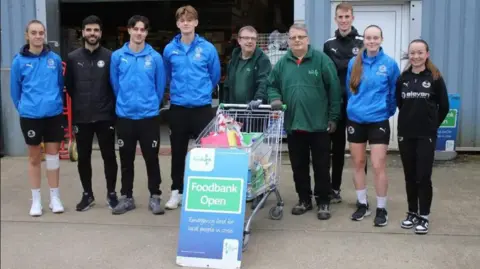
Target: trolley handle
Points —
{"points": [[245, 106]]}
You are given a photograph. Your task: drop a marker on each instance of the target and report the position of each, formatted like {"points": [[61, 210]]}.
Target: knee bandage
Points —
{"points": [[52, 162]]}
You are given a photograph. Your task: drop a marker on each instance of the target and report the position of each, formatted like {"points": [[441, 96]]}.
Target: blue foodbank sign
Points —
{"points": [[213, 211]]}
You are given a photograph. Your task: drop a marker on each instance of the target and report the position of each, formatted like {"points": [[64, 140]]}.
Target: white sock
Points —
{"points": [[425, 217], [381, 202], [54, 192], [36, 195], [362, 196]]}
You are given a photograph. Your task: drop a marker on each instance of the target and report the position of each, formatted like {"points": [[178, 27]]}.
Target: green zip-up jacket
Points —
{"points": [[246, 79], [310, 89]]}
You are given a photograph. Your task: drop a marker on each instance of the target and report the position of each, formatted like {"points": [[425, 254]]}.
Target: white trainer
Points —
{"points": [[56, 205], [175, 200], [36, 209]]}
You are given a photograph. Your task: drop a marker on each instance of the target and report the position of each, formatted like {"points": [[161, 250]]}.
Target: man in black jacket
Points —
{"points": [[87, 80], [341, 48]]}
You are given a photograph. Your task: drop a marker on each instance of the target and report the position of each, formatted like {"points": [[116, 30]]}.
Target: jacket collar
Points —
{"points": [[25, 51], [367, 59], [307, 56], [353, 33]]}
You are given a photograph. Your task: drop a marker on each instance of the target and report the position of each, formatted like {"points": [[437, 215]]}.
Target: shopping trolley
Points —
{"points": [[261, 136]]}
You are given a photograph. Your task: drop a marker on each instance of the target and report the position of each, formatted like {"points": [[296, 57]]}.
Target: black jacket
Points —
{"points": [[87, 79], [341, 49], [423, 104]]}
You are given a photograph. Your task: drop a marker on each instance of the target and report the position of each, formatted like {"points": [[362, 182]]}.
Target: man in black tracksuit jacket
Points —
{"points": [[87, 80], [341, 49]]}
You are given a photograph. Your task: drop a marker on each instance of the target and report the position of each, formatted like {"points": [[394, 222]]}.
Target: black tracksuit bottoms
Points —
{"points": [[185, 123], [300, 146], [147, 133], [105, 131], [417, 156]]}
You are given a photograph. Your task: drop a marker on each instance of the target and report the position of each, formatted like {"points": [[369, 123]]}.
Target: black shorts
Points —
{"points": [[47, 130], [374, 133]]}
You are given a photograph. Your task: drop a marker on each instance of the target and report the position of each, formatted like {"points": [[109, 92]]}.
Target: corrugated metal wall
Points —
{"points": [[451, 28], [15, 14]]}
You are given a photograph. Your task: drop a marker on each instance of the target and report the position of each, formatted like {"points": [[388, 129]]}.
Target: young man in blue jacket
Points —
{"points": [[137, 75], [193, 68]]}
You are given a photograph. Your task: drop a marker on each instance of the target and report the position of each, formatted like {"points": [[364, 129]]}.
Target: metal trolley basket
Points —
{"points": [[262, 138]]}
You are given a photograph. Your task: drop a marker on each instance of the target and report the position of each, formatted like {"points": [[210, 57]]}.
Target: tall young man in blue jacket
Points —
{"points": [[137, 75], [193, 68]]}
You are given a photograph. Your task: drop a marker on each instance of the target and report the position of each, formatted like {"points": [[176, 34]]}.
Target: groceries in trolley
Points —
{"points": [[228, 133]]}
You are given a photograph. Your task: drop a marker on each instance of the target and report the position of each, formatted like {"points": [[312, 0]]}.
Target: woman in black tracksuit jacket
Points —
{"points": [[422, 99]]}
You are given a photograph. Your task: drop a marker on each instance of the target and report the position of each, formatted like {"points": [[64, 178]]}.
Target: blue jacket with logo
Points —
{"points": [[138, 81], [194, 73], [375, 100], [36, 83]]}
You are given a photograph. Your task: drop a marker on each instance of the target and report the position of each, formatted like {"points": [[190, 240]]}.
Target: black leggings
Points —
{"points": [[417, 156]]}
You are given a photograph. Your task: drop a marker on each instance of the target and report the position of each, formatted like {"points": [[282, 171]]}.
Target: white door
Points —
{"points": [[394, 22]]}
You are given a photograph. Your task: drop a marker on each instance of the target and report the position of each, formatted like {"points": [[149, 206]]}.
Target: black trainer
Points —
{"points": [[422, 226], [323, 212], [410, 221], [381, 218], [112, 200], [301, 208], [86, 203], [361, 212], [335, 197]]}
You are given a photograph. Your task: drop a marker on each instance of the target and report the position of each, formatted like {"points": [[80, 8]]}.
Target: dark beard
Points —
{"points": [[92, 44]]}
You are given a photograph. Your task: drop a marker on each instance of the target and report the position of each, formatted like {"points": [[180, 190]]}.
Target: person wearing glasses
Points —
{"points": [[306, 81], [246, 80], [247, 71]]}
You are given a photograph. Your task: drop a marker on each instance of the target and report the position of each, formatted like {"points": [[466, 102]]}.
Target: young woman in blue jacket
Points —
{"points": [[37, 93], [371, 79]]}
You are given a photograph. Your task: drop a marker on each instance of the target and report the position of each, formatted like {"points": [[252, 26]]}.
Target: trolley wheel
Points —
{"points": [[42, 148], [246, 238], [72, 151], [276, 213]]}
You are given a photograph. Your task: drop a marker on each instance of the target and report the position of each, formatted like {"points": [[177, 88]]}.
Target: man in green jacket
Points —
{"points": [[306, 81], [246, 81], [247, 71]]}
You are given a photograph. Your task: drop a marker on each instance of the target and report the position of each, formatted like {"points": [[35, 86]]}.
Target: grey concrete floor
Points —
{"points": [[97, 239]]}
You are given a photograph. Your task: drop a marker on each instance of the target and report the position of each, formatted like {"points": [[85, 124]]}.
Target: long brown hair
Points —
{"points": [[357, 68], [428, 63]]}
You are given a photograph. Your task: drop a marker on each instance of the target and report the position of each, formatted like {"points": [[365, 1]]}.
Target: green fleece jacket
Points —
{"points": [[310, 89], [246, 79]]}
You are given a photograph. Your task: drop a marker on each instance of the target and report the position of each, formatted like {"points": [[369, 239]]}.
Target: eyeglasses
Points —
{"points": [[299, 37], [248, 38]]}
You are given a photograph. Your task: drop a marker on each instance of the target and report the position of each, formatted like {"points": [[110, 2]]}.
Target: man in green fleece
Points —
{"points": [[246, 81], [247, 71], [306, 81]]}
